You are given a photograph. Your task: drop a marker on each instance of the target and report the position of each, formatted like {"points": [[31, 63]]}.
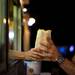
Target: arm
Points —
{"points": [[68, 67], [32, 54], [15, 54]]}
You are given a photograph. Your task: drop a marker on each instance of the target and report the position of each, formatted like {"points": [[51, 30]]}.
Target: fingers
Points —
{"points": [[36, 57], [44, 56], [35, 49], [33, 55], [44, 43], [47, 44], [49, 40], [38, 54], [43, 49], [39, 50], [42, 53]]}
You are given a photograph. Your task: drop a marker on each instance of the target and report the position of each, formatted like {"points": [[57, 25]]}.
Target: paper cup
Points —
{"points": [[35, 66]]}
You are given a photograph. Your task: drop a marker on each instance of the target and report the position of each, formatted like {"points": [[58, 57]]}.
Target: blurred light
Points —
{"points": [[31, 21], [8, 21], [24, 20], [62, 49], [4, 20], [11, 35], [71, 49], [24, 10]]}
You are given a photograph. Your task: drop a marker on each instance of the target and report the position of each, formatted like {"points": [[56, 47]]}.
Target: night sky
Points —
{"points": [[57, 16]]}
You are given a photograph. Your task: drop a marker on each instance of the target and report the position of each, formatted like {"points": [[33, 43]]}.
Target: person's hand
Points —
{"points": [[49, 50], [33, 54]]}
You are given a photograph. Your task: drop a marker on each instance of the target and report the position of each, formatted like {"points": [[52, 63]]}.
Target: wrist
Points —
{"points": [[24, 53], [60, 59]]}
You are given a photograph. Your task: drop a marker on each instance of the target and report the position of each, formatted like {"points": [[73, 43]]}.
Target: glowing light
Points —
{"points": [[24, 10], [71, 49], [62, 49], [24, 20], [11, 35], [4, 20], [31, 21]]}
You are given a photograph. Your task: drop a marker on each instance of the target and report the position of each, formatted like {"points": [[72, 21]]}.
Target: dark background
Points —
{"points": [[57, 16]]}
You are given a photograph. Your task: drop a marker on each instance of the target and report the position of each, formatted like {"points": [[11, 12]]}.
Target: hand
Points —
{"points": [[33, 54], [51, 52]]}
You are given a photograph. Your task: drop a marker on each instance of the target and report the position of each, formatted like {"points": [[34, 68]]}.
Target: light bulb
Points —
{"points": [[31, 21]]}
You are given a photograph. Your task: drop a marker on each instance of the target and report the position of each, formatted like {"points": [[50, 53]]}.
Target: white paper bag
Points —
{"points": [[42, 35]]}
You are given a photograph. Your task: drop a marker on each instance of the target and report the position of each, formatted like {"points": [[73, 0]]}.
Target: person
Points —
{"points": [[55, 56]]}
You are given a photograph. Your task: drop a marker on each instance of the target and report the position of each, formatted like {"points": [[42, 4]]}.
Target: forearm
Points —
{"points": [[13, 54], [68, 67]]}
